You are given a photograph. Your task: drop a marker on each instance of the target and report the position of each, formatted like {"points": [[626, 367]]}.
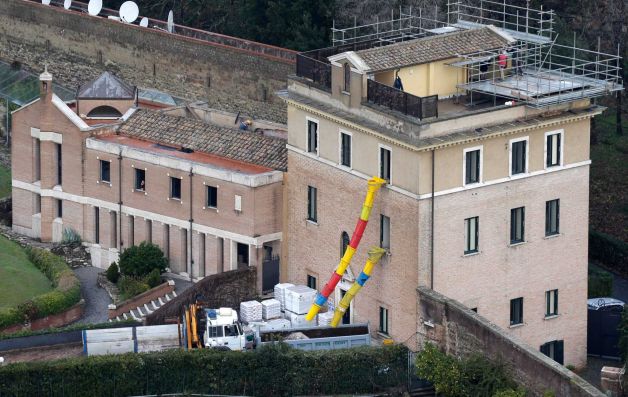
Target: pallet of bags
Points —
{"points": [[280, 293], [324, 319], [250, 311], [271, 308]]}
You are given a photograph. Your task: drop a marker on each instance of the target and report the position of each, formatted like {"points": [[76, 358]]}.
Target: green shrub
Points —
{"points": [[113, 274], [66, 293], [510, 393], [153, 279], [139, 260], [71, 236], [469, 377], [131, 286], [270, 371], [609, 250], [600, 283]]}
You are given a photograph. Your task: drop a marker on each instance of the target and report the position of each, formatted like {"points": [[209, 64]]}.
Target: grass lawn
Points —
{"points": [[5, 182], [19, 278]]}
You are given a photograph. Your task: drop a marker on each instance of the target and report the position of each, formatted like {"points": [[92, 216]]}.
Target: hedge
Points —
{"points": [[74, 327], [600, 283], [270, 371], [66, 292], [612, 252]]}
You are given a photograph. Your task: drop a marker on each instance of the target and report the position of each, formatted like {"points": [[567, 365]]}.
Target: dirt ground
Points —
{"points": [[43, 353]]}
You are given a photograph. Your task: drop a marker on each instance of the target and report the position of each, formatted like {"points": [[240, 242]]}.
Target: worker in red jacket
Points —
{"points": [[502, 61]]}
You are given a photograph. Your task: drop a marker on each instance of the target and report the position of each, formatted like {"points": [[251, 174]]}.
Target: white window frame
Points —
{"points": [[560, 132], [464, 165], [379, 161], [340, 150], [318, 135], [527, 170]]}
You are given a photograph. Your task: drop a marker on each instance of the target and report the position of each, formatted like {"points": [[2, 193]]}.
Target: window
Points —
{"points": [[347, 73], [237, 204], [383, 320], [106, 112], [37, 204], [384, 163], [345, 149], [384, 231], [37, 158], [311, 281], [215, 332], [551, 303], [59, 208], [554, 350], [212, 197], [175, 188], [471, 234], [312, 136], [105, 171], [518, 157], [344, 243], [552, 217], [472, 168], [516, 311], [96, 225], [140, 180], [59, 163], [311, 204], [517, 225], [553, 149]]}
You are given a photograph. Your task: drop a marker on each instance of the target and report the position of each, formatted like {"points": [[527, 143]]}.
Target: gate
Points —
{"points": [[270, 274], [603, 333]]}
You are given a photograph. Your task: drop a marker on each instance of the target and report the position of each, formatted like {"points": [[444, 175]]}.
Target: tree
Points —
{"points": [[140, 260]]}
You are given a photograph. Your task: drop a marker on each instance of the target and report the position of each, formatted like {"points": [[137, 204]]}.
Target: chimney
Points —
{"points": [[45, 85]]}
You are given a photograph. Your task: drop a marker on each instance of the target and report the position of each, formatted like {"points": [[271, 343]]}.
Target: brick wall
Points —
{"points": [[459, 332]]}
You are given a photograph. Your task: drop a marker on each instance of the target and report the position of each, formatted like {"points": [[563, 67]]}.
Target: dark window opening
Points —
{"points": [[212, 197], [472, 167], [346, 318], [312, 136], [104, 112], [243, 255], [175, 188], [383, 320], [551, 302], [344, 243], [105, 171], [384, 232], [517, 225], [96, 225], [345, 149], [59, 208], [516, 311], [140, 180], [311, 204], [472, 234], [311, 281], [347, 73], [59, 164], [552, 217], [554, 350], [518, 165], [553, 150], [384, 164]]}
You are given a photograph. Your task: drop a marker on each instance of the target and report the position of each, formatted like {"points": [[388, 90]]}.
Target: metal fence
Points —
{"points": [[400, 101], [317, 71]]}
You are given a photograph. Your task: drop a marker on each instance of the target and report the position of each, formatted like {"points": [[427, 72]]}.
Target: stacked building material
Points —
{"points": [[250, 311], [324, 319], [280, 293], [276, 325], [271, 308], [298, 320], [299, 299]]}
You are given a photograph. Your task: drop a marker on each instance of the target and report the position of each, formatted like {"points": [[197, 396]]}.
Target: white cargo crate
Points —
{"points": [[299, 299], [298, 320], [280, 293]]}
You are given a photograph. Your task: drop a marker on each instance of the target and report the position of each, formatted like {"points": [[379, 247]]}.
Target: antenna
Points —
{"points": [[45, 2], [129, 12], [67, 4], [171, 22], [144, 22], [94, 7]]}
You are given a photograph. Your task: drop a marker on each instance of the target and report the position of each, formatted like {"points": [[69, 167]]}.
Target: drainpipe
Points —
{"points": [[191, 232], [432, 227], [120, 200]]}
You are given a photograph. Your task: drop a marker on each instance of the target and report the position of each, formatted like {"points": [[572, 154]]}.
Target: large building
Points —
{"points": [[484, 141], [118, 174]]}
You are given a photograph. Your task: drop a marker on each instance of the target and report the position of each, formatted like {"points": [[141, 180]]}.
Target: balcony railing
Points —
{"points": [[317, 71], [392, 98]]}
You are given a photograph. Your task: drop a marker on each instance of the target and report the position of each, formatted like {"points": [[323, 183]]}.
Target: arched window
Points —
{"points": [[104, 112], [344, 243], [347, 70]]}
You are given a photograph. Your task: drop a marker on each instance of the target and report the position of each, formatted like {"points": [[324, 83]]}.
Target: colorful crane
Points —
{"points": [[374, 184]]}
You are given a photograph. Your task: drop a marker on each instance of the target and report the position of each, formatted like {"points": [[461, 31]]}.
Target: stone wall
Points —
{"points": [[53, 321], [226, 289], [231, 74], [459, 331]]}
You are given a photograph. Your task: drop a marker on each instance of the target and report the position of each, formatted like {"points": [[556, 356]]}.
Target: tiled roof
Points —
{"points": [[433, 48], [107, 86], [233, 144]]}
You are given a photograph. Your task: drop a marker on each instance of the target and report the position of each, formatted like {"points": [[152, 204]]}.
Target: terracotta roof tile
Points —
{"points": [[234, 144]]}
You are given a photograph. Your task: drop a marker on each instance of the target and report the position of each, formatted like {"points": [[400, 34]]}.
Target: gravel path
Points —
{"points": [[96, 298]]}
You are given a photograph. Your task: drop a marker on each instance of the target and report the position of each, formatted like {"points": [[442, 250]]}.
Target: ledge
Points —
{"points": [[142, 299]]}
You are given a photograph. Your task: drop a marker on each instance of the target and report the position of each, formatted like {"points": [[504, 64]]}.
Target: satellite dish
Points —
{"points": [[45, 2], [144, 22], [94, 7], [129, 12], [170, 22], [67, 4]]}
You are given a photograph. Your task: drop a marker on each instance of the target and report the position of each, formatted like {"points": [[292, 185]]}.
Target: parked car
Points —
{"points": [[605, 304]]}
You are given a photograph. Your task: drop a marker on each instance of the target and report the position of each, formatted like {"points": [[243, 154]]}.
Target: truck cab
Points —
{"points": [[224, 330]]}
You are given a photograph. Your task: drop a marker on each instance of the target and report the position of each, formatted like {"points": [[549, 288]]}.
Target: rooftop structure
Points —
{"points": [[107, 86]]}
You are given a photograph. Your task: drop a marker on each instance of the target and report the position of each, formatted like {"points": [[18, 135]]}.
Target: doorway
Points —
{"points": [[346, 318], [243, 255]]}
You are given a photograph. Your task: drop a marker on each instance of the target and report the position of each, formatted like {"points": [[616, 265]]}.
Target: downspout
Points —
{"points": [[432, 227], [120, 200], [191, 232]]}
